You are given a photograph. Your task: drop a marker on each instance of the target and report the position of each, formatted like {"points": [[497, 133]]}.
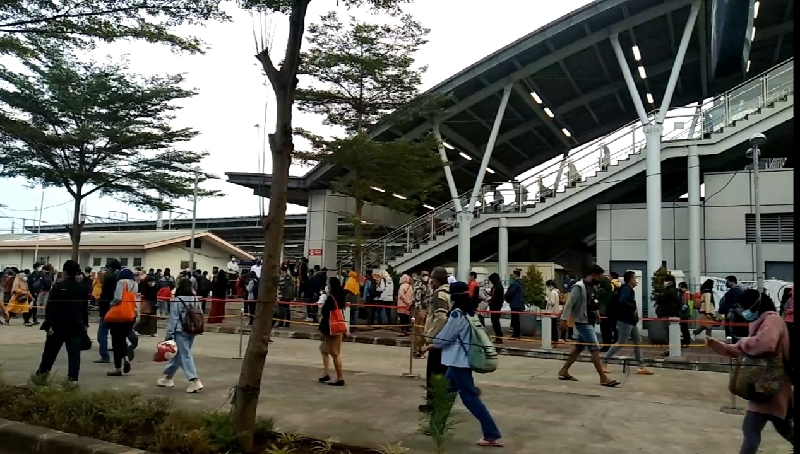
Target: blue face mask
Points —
{"points": [[752, 315]]}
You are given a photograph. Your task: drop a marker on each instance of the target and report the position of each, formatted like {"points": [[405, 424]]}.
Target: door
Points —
{"points": [[783, 271]]}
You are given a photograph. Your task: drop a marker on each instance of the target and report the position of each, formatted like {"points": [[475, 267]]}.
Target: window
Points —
{"points": [[185, 264], [775, 228], [196, 244], [109, 259], [123, 261], [137, 261], [96, 261]]}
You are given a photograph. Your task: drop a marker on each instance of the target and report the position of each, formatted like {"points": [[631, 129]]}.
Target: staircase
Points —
{"points": [[757, 105]]}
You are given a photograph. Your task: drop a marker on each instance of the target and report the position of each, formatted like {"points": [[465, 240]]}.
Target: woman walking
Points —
{"points": [[405, 297], [120, 319], [183, 359], [148, 311], [767, 335], [386, 296], [495, 306], [21, 298], [66, 318], [706, 308], [218, 294], [454, 340], [331, 345]]}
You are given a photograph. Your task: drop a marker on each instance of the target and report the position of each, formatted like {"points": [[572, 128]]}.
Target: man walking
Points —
{"points": [[627, 318], [435, 320], [516, 302]]}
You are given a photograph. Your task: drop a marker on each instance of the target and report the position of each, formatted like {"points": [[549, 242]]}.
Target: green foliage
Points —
{"points": [[437, 423], [285, 6], [93, 127], [657, 283], [533, 288], [82, 22], [124, 418]]}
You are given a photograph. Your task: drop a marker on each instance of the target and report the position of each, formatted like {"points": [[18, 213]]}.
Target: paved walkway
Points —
{"points": [[672, 412]]}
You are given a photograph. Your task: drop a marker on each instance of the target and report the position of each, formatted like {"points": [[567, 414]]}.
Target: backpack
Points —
{"points": [[482, 354], [46, 282], [373, 290], [35, 282], [193, 323]]}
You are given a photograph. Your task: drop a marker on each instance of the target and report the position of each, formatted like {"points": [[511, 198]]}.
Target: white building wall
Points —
{"points": [[622, 228], [206, 257]]}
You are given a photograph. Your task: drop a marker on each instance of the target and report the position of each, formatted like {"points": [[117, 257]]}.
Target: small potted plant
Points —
{"points": [[535, 294]]}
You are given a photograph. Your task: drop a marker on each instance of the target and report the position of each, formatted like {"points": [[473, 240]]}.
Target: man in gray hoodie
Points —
{"points": [[584, 308]]}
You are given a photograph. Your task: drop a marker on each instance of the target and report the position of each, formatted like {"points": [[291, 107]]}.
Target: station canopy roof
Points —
{"points": [[568, 88]]}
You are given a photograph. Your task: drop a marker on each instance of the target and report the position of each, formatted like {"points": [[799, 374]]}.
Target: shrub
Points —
{"points": [[437, 423], [150, 424], [533, 288], [658, 283]]}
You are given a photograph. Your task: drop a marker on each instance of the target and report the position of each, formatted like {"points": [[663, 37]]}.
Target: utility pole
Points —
{"points": [[756, 141]]}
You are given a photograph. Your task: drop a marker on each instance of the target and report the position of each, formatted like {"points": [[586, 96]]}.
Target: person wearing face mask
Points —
{"points": [[21, 297], [422, 295], [767, 334], [580, 306], [438, 307]]}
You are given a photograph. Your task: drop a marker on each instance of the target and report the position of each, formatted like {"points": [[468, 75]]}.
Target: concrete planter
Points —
{"points": [[530, 323]]}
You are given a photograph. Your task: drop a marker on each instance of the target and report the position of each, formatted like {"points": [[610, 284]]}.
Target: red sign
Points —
{"points": [[315, 252]]}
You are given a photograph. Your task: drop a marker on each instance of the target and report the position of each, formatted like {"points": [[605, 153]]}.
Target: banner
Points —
{"points": [[773, 287]]}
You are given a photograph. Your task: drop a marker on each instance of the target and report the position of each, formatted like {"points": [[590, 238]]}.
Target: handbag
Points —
{"points": [[337, 325], [758, 379], [86, 342]]}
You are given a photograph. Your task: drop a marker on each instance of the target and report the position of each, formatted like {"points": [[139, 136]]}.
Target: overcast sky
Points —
{"points": [[232, 94]]}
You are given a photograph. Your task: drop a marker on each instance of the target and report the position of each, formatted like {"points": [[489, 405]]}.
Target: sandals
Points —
{"points": [[488, 443], [567, 377], [611, 384]]}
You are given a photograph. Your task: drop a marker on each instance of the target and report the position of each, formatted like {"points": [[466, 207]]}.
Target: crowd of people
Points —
{"points": [[129, 302]]}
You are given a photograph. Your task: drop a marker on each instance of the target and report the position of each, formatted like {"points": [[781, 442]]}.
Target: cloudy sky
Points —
{"points": [[232, 94]]}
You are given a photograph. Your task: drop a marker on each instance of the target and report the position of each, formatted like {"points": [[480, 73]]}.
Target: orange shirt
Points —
{"points": [[472, 288]]}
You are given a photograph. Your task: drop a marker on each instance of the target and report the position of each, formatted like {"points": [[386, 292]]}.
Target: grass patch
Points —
{"points": [[152, 424]]}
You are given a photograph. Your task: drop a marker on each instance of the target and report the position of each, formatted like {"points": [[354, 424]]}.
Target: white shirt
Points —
{"points": [[554, 302], [256, 269], [233, 267]]}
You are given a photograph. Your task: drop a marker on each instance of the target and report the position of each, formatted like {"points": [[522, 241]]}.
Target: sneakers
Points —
{"points": [[194, 387], [166, 382]]}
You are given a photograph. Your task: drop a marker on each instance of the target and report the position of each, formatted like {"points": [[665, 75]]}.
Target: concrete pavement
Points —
{"points": [[672, 412]]}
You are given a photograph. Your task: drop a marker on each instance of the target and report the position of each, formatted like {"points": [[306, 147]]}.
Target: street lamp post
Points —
{"points": [[197, 172], [757, 140]]}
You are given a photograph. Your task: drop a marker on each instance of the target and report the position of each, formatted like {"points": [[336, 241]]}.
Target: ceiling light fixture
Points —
{"points": [[650, 98], [642, 74], [448, 146], [375, 188], [400, 196], [489, 170], [755, 9], [566, 132], [536, 97], [465, 156], [428, 206], [748, 66], [549, 112], [636, 54]]}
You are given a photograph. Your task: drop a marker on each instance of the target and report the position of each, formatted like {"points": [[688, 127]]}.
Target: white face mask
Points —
{"points": [[24, 278], [424, 278]]}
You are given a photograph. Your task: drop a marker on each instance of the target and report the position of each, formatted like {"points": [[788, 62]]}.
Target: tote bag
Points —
{"points": [[125, 311], [336, 320]]}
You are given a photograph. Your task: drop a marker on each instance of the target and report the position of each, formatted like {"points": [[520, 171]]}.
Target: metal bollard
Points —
{"points": [[410, 373], [547, 332], [241, 333], [732, 409], [674, 337]]}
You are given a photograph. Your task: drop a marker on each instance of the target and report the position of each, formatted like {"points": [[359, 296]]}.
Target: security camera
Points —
{"points": [[758, 139]]}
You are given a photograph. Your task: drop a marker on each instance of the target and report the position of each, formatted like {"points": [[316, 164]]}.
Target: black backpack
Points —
{"points": [[35, 282], [193, 323]]}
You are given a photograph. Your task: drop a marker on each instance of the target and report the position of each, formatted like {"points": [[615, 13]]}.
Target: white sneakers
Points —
{"points": [[194, 386]]}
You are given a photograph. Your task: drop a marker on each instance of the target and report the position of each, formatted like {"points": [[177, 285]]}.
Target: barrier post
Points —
{"points": [[674, 337], [241, 333], [732, 408], [411, 373], [547, 332]]}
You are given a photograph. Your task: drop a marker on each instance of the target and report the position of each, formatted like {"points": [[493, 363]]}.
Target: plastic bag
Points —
{"points": [[165, 351]]}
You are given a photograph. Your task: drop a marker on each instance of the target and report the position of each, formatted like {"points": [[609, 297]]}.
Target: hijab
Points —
{"points": [[459, 294], [19, 284], [351, 284]]}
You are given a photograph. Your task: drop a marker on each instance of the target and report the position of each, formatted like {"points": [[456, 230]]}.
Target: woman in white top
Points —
{"points": [[183, 359], [386, 297], [554, 308]]}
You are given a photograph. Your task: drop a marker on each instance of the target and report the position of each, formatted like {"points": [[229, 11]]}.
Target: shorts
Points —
{"points": [[331, 345], [586, 337]]}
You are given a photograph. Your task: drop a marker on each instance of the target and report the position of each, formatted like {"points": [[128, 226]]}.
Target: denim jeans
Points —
{"points": [[52, 347], [102, 340], [461, 381], [587, 337], [183, 359], [625, 332]]}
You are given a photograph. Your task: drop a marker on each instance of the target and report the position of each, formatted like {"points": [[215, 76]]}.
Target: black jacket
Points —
{"points": [[107, 293], [67, 311], [669, 303], [625, 311], [729, 301], [496, 300]]}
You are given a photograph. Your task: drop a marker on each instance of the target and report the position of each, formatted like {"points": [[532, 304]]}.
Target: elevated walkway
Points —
{"points": [[718, 125]]}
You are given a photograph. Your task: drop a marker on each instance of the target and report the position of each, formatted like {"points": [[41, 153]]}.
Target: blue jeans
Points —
{"points": [[102, 340], [626, 332], [183, 359], [461, 382]]}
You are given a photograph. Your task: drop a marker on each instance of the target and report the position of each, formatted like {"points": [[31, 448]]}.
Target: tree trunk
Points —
{"points": [[358, 227], [284, 83], [76, 229]]}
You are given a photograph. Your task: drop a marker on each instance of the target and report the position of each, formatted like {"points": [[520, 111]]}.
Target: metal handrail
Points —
{"points": [[703, 120]]}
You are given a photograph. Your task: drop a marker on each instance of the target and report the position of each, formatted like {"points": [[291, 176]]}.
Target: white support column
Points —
{"points": [[694, 218], [502, 249], [448, 172], [676, 66], [466, 214]]}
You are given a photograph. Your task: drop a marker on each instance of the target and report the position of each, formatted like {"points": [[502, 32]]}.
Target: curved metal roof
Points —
{"points": [[570, 66]]}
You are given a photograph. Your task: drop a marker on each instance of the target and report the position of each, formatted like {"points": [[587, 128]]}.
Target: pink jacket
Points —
{"points": [[405, 295], [767, 334]]}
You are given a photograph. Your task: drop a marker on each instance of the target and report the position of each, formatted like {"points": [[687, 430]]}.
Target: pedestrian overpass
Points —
{"points": [[552, 198]]}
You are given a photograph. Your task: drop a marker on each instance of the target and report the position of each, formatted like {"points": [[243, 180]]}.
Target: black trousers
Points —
{"points": [[434, 367], [404, 319], [119, 341], [515, 326], [608, 332], [52, 347], [496, 327], [686, 337], [554, 330]]}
